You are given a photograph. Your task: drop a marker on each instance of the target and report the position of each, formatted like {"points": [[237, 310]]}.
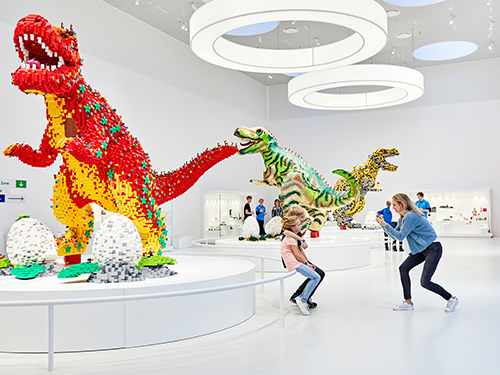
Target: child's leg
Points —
{"points": [[321, 274], [301, 288], [312, 283]]}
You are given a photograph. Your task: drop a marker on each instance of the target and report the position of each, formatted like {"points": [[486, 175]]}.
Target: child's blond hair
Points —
{"points": [[296, 210], [289, 221]]}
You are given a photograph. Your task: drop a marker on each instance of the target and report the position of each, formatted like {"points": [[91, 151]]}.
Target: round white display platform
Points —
{"points": [[113, 325], [328, 252], [376, 235]]}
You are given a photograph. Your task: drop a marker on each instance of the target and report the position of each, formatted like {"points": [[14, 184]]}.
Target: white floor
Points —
{"points": [[353, 330]]}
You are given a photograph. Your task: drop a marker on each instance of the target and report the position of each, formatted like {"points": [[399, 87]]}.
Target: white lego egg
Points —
{"points": [[30, 242], [117, 239], [251, 227]]}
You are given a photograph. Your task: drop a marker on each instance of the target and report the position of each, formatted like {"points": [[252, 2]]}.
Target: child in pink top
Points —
{"points": [[296, 259]]}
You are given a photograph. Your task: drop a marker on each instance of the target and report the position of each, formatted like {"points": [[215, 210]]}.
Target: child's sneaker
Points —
{"points": [[302, 305], [403, 307], [451, 305]]}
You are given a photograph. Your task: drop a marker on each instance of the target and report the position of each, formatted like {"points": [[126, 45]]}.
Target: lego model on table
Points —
{"points": [[102, 162]]}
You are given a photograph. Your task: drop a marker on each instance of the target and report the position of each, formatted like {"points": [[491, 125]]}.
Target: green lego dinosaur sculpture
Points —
{"points": [[298, 182]]}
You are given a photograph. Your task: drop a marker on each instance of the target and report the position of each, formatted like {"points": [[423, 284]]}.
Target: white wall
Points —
{"points": [[178, 105], [448, 139]]}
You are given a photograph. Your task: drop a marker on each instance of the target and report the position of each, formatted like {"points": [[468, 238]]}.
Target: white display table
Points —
{"points": [[127, 324], [461, 228], [328, 252]]}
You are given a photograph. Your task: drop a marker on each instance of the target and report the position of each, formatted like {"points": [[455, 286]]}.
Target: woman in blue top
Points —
{"points": [[424, 246]]}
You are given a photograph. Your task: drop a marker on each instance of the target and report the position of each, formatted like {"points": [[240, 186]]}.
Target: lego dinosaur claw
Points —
{"points": [[10, 150]]}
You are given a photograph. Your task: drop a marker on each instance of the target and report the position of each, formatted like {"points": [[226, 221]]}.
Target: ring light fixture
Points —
{"points": [[366, 18], [403, 85]]}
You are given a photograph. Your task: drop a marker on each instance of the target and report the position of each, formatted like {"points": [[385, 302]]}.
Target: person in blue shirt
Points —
{"points": [[422, 204], [424, 246], [260, 212], [387, 215]]}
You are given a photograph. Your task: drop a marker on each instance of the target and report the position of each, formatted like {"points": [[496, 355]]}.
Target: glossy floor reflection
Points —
{"points": [[353, 330]]}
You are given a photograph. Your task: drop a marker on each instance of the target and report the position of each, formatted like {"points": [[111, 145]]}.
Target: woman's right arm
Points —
{"points": [[404, 226]]}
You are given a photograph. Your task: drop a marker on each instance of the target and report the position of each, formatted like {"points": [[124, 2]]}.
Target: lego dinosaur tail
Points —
{"points": [[172, 184], [330, 199], [352, 182]]}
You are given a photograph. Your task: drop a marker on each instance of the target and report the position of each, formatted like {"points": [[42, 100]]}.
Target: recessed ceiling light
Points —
{"points": [[290, 30], [413, 3], [393, 13], [445, 51], [403, 35], [256, 29]]}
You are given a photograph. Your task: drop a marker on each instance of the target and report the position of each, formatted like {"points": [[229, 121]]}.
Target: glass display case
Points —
{"points": [[459, 213], [223, 213]]}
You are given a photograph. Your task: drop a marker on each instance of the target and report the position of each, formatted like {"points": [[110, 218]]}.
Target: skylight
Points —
{"points": [[256, 29], [445, 51]]}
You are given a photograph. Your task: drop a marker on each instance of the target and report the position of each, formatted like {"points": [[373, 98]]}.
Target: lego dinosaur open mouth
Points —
{"points": [[245, 145], [37, 54], [245, 141], [387, 164]]}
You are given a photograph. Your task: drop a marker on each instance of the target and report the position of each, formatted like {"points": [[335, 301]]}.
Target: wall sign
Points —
{"points": [[9, 192]]}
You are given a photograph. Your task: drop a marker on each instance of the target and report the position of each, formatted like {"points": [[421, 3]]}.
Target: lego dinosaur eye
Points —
{"points": [[259, 131]]}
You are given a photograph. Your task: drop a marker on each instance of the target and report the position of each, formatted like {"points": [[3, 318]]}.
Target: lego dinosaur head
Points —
{"points": [[380, 157], [256, 140], [49, 55]]}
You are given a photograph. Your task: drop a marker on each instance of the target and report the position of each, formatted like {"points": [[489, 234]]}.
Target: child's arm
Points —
{"points": [[288, 233], [299, 255], [295, 236]]}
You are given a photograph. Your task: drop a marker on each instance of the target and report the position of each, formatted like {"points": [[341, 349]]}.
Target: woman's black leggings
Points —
{"points": [[431, 257]]}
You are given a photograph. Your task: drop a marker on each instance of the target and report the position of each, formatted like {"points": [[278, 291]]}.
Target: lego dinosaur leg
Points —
{"points": [[79, 222], [146, 216], [318, 218], [153, 234], [269, 177]]}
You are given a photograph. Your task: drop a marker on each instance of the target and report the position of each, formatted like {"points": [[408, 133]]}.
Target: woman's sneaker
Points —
{"points": [[302, 305], [451, 305], [403, 307]]}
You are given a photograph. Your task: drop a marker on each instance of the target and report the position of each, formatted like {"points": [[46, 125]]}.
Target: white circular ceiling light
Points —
{"points": [[445, 51], [402, 85], [366, 18]]}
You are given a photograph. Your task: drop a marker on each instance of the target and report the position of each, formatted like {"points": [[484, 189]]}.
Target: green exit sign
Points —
{"points": [[22, 184]]}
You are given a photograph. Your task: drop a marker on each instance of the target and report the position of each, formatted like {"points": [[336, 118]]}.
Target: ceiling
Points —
{"points": [[473, 21]]}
